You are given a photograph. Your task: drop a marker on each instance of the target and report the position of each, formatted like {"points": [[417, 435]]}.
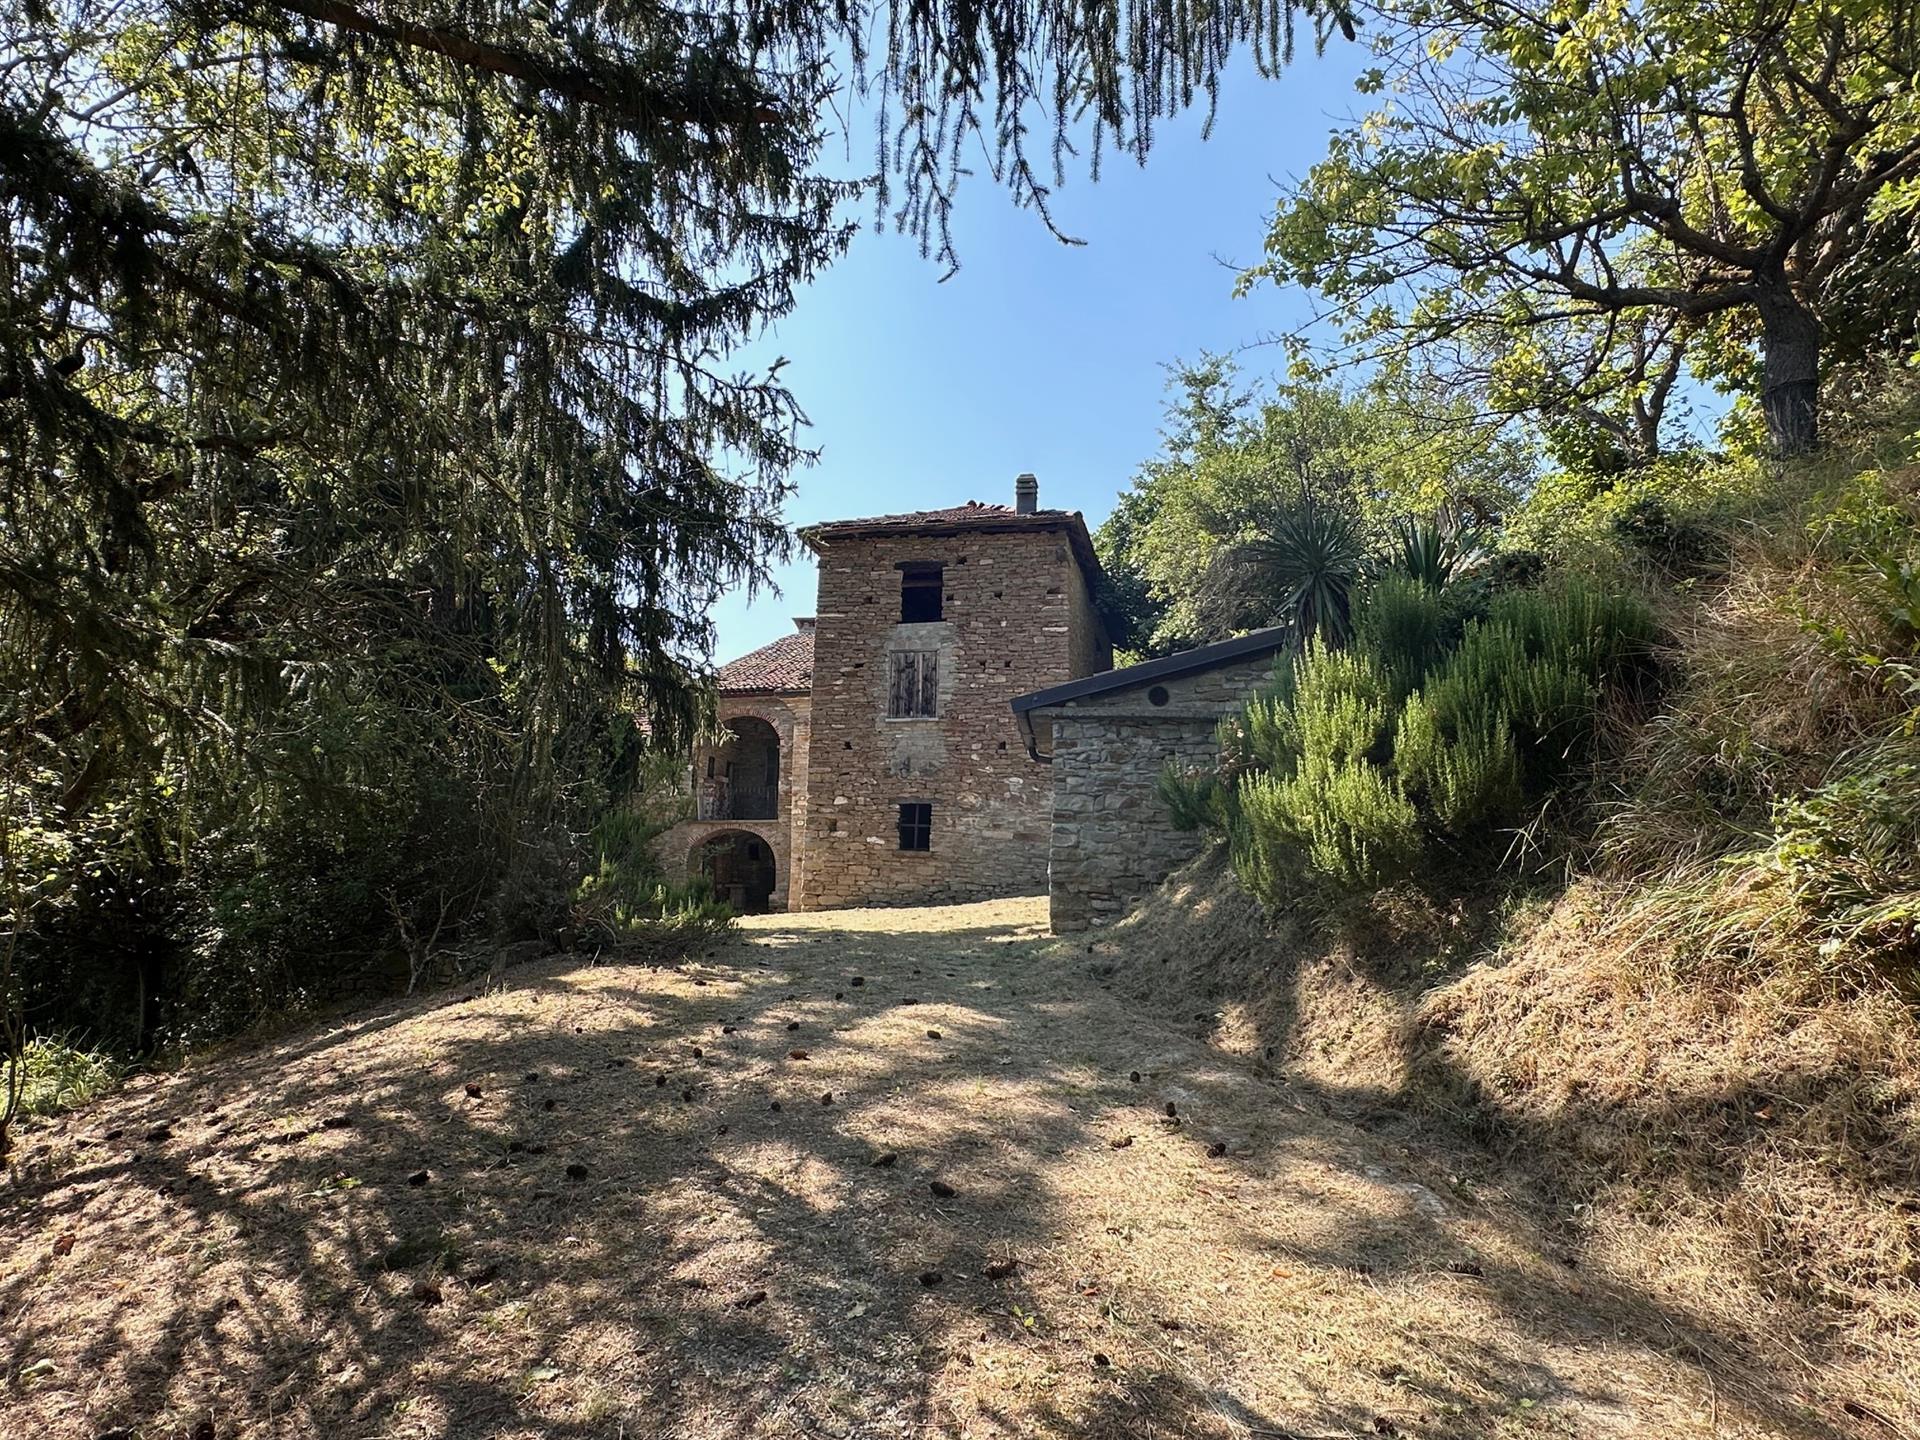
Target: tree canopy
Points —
{"points": [[1238, 466], [1560, 199], [370, 449]]}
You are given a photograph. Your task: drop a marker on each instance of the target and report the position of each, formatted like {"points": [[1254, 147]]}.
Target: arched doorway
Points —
{"points": [[739, 778], [740, 865]]}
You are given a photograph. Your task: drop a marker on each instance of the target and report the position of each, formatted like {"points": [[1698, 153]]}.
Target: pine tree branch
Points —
{"points": [[572, 81]]}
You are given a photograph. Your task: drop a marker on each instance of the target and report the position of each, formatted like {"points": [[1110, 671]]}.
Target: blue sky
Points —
{"points": [[1041, 356]]}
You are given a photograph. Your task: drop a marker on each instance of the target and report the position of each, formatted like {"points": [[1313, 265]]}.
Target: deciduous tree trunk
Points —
{"points": [[1790, 340]]}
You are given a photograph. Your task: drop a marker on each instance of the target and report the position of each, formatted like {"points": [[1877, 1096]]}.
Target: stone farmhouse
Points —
{"points": [[898, 748]]}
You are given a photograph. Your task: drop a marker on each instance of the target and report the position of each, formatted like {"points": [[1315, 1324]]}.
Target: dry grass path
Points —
{"points": [[613, 1201]]}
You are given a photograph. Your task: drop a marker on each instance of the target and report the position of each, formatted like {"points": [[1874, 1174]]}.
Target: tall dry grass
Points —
{"points": [[1705, 1053]]}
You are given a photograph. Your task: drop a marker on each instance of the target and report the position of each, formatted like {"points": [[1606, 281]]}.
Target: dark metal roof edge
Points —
{"points": [[1204, 657]]}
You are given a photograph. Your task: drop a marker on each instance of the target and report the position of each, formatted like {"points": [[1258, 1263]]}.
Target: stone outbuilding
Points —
{"points": [[1106, 738]]}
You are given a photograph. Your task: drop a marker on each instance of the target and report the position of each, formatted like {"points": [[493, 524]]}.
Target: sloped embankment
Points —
{"points": [[1750, 1154]]}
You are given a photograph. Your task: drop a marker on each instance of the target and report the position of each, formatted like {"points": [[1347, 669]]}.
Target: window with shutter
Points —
{"points": [[913, 686]]}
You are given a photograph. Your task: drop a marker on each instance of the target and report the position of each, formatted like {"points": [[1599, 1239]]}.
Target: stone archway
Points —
{"points": [[741, 867], [739, 778]]}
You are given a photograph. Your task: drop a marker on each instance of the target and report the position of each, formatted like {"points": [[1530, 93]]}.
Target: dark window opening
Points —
{"points": [[709, 767], [921, 593], [913, 687], [916, 827], [1158, 695]]}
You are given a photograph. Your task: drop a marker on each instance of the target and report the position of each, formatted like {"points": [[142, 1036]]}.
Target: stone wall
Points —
{"points": [[789, 716], [1089, 650], [1112, 840], [1014, 618]]}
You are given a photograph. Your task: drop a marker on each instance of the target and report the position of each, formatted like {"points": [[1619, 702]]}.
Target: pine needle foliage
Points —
{"points": [[370, 451]]}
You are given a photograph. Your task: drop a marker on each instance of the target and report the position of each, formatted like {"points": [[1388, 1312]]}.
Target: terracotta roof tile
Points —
{"points": [[785, 666], [973, 513]]}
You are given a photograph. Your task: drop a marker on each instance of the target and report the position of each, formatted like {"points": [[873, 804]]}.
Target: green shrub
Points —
{"points": [[1192, 796], [1407, 628], [1328, 707], [1349, 822], [1672, 514], [1534, 666], [627, 898], [1430, 731], [1317, 796], [624, 867], [1849, 852], [62, 1073], [1470, 778], [1773, 805]]}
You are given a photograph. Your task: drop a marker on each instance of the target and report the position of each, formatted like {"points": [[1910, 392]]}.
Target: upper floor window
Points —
{"points": [[921, 592], [913, 684]]}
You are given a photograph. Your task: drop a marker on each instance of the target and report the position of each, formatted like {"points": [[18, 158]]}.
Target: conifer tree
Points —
{"points": [[369, 435]]}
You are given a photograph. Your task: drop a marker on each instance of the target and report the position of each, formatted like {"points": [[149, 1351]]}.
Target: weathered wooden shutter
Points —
{"points": [[913, 683], [901, 678], [929, 683]]}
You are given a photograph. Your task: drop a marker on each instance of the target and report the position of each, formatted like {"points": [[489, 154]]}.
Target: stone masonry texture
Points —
{"points": [[1112, 840], [1016, 616], [678, 848]]}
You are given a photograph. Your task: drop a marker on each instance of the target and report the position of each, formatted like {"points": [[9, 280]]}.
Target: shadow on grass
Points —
{"points": [[649, 1221], [598, 1202], [1699, 1143]]}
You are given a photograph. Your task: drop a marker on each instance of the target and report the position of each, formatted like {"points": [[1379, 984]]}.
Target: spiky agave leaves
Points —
{"points": [[1433, 550], [1302, 573]]}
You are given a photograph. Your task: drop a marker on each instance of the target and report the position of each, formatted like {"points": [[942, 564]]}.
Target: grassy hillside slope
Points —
{"points": [[1698, 1044]]}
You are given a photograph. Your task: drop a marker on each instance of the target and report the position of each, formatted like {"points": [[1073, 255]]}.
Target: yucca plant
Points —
{"points": [[1433, 550], [1301, 573]]}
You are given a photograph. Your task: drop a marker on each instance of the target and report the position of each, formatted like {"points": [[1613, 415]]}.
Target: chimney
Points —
{"points": [[803, 623], [1026, 495]]}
